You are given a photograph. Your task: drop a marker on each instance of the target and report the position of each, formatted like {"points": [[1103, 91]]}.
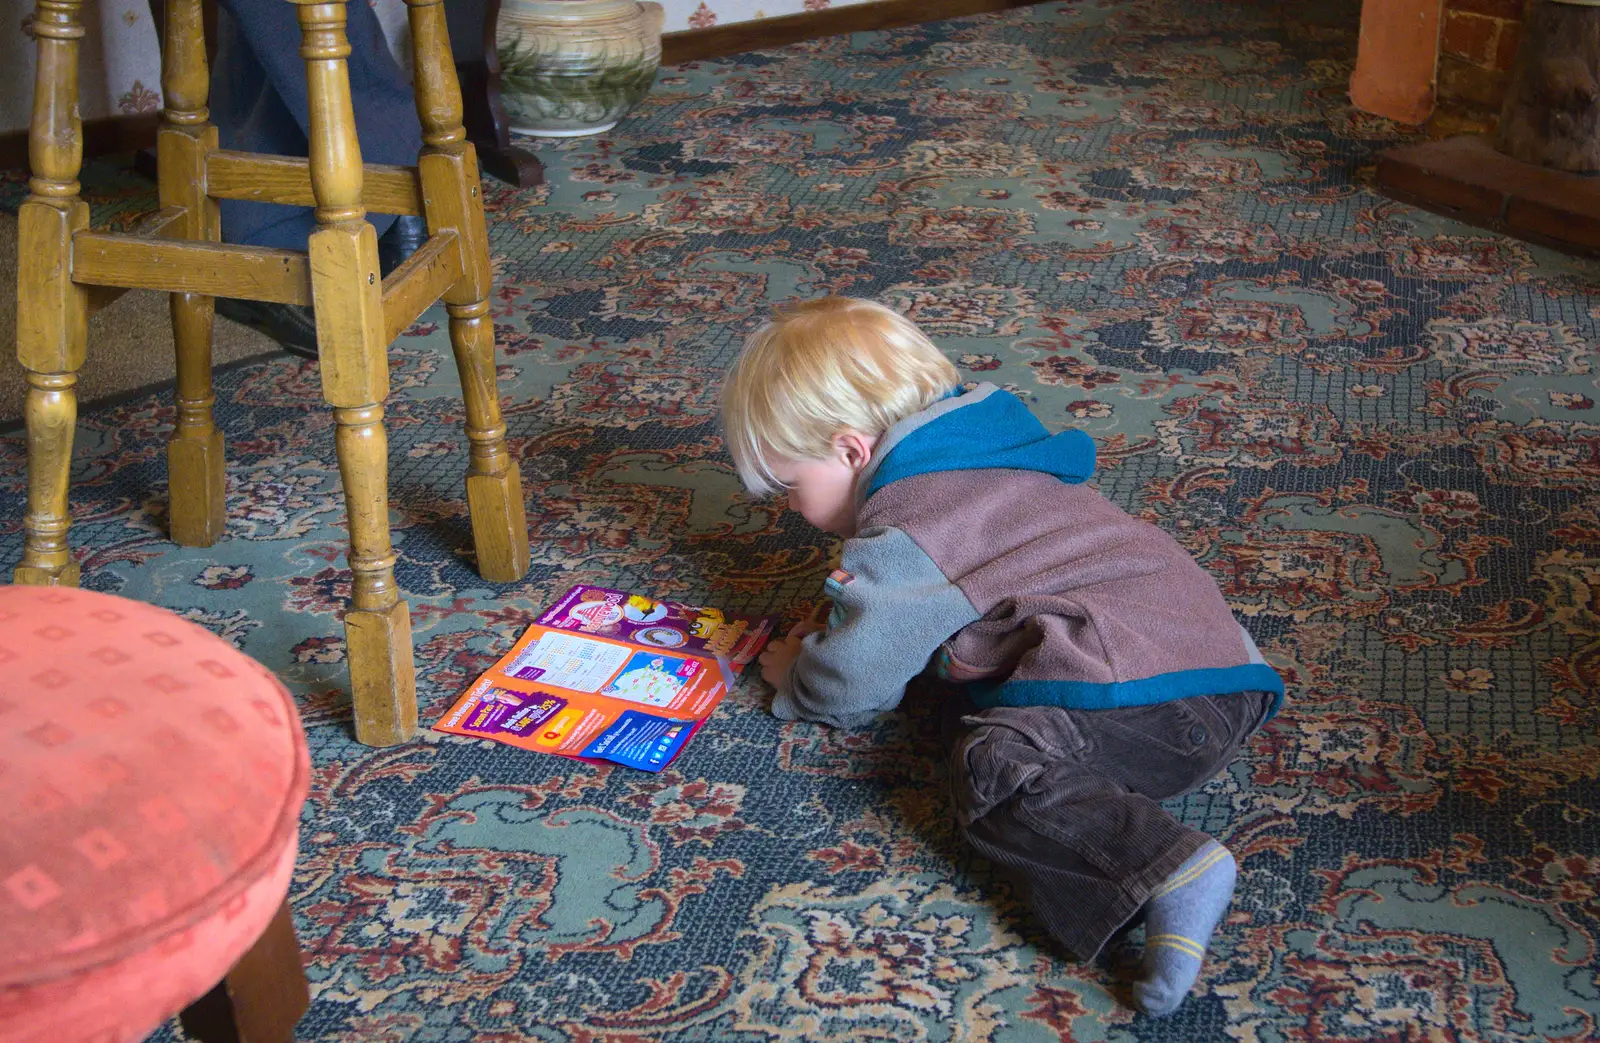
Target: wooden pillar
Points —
{"points": [[347, 297], [448, 167]]}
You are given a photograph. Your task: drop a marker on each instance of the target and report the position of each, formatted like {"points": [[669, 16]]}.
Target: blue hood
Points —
{"points": [[984, 428]]}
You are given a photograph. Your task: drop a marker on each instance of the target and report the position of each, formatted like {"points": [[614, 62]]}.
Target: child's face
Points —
{"points": [[824, 491]]}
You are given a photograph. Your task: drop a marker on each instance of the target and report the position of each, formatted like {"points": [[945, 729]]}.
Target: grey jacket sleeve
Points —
{"points": [[893, 608]]}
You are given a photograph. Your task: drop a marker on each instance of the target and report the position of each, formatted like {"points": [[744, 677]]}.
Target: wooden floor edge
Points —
{"points": [[721, 40], [100, 137]]}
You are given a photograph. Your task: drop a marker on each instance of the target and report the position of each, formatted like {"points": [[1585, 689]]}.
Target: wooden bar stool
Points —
{"points": [[71, 270]]}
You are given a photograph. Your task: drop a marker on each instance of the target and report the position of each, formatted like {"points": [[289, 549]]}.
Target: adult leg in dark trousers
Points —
{"points": [[1065, 804], [258, 103]]}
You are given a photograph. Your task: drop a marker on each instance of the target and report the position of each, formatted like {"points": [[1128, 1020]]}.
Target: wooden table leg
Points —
{"points": [[477, 57]]}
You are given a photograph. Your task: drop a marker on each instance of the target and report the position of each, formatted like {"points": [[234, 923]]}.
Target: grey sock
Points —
{"points": [[1179, 919]]}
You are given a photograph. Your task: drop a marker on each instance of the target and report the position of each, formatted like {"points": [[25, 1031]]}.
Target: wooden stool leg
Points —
{"points": [[52, 311], [194, 455], [354, 360], [378, 625], [494, 483], [262, 998], [450, 185]]}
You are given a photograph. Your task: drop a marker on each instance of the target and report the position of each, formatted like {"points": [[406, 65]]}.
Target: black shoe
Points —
{"points": [[293, 326], [403, 239]]}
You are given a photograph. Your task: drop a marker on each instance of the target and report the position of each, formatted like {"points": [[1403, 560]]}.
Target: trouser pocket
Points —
{"points": [[1005, 750]]}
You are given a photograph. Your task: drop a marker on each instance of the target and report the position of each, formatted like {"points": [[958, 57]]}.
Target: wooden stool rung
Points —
{"points": [[287, 179], [252, 273], [416, 285], [166, 223], [163, 224]]}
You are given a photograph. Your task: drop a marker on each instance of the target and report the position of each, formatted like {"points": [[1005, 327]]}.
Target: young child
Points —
{"points": [[1097, 668]]}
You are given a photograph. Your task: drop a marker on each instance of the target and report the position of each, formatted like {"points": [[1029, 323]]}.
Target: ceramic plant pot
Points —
{"points": [[574, 67]]}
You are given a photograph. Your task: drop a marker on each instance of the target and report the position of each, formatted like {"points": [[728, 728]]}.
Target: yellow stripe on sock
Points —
{"points": [[1191, 873], [1184, 945]]}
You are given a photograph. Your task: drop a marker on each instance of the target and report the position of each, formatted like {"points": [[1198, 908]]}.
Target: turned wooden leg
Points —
{"points": [[448, 167], [354, 366], [494, 484], [262, 998], [378, 626], [52, 310], [195, 465], [51, 412]]}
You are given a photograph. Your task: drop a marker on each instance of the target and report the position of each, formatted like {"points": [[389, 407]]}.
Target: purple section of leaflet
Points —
{"points": [[513, 712], [667, 625]]}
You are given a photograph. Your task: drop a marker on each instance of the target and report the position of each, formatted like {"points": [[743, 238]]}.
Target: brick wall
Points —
{"points": [[1477, 43]]}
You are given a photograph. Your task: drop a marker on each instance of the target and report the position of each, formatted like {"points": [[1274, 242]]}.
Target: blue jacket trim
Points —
{"points": [[1091, 695], [997, 431]]}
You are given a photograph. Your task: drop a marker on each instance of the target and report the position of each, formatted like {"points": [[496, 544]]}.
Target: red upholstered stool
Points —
{"points": [[151, 779]]}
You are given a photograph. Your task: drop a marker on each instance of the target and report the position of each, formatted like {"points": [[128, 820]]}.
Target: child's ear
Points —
{"points": [[855, 448]]}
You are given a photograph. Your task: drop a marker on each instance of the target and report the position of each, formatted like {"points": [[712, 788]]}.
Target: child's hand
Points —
{"points": [[778, 657], [817, 622]]}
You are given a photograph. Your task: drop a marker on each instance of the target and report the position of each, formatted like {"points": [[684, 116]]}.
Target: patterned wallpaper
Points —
{"points": [[122, 67], [703, 14]]}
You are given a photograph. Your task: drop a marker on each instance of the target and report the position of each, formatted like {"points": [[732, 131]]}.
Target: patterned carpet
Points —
{"points": [[1376, 427]]}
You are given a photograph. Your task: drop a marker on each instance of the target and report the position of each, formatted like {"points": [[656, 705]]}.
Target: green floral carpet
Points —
{"points": [[1377, 428]]}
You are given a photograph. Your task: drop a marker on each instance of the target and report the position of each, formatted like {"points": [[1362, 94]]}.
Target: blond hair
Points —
{"points": [[819, 368]]}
